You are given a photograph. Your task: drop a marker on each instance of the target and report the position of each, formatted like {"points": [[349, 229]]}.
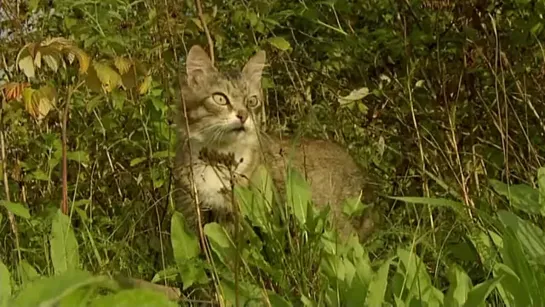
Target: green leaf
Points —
{"points": [[137, 161], [64, 247], [109, 78], [298, 195], [520, 196], [134, 297], [220, 242], [415, 277], [256, 201], [5, 285], [353, 206], [48, 292], [477, 296], [15, 208], [27, 272], [279, 43], [379, 284], [78, 156], [531, 237], [185, 246], [436, 202], [355, 95], [460, 285], [26, 64]]}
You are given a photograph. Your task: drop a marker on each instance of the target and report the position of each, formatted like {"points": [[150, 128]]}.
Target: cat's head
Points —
{"points": [[222, 109]]}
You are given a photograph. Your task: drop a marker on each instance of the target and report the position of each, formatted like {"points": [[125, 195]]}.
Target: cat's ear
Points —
{"points": [[198, 64], [253, 69]]}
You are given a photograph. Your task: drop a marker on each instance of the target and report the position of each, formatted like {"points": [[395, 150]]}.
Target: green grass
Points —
{"points": [[303, 265]]}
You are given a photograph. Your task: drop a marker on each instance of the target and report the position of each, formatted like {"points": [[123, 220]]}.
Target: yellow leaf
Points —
{"points": [[28, 93], [38, 59], [107, 76], [92, 81], [44, 100], [51, 62], [71, 57], [129, 79], [144, 87], [122, 64], [27, 66], [83, 60]]}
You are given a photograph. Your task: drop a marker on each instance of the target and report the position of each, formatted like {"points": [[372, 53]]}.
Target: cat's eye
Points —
{"points": [[220, 99], [252, 102]]}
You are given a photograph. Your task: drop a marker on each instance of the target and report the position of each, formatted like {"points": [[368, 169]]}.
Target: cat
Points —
{"points": [[224, 116]]}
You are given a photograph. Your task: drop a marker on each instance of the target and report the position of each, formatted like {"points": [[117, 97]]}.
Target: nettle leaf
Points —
{"points": [[108, 76], [64, 246], [145, 85], [15, 208], [279, 43], [122, 64]]}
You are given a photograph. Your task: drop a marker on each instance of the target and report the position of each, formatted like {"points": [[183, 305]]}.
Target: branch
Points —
{"points": [[64, 203], [198, 5]]}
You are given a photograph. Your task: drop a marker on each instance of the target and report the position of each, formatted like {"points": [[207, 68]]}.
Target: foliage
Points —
{"points": [[440, 101]]}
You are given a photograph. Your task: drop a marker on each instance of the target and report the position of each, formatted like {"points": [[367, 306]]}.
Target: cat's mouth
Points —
{"points": [[239, 129]]}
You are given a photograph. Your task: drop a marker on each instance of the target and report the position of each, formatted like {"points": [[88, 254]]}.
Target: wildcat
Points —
{"points": [[224, 114]]}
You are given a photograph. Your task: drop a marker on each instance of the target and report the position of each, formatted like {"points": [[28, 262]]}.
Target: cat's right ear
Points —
{"points": [[198, 64]]}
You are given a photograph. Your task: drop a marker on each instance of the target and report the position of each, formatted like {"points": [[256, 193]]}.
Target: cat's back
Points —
{"points": [[330, 170]]}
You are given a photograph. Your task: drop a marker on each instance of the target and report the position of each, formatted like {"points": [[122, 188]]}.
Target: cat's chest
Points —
{"points": [[213, 182]]}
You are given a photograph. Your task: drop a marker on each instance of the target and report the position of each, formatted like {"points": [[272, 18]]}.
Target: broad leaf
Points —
{"points": [[460, 285], [531, 237], [379, 284], [5, 285], [298, 195], [48, 292], [64, 247], [477, 296], [26, 64], [15, 208], [220, 242], [520, 196]]}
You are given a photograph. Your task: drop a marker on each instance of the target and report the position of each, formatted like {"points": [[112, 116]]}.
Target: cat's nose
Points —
{"points": [[242, 115]]}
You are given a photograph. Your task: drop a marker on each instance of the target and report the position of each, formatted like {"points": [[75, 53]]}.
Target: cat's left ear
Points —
{"points": [[253, 69]]}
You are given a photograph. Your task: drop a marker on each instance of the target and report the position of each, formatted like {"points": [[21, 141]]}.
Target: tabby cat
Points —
{"points": [[223, 115]]}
